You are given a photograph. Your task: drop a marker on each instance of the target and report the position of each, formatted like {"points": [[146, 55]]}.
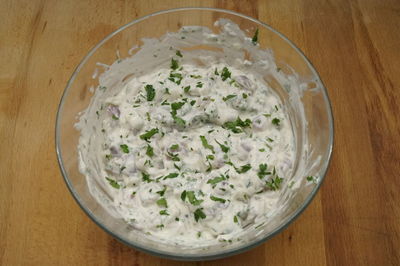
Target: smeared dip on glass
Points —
{"points": [[190, 146]]}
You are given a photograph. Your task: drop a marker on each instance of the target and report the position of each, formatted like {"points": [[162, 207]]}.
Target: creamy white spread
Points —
{"points": [[189, 146]]}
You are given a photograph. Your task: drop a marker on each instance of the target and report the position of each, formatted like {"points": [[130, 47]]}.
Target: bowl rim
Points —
{"points": [[215, 255]]}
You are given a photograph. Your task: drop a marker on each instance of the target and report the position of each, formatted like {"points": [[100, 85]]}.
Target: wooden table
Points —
{"points": [[354, 219]]}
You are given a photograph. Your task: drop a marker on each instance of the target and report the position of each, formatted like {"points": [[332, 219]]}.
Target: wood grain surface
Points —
{"points": [[355, 45]]}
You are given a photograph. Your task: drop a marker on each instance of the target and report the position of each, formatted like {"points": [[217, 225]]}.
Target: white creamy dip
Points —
{"points": [[194, 147]]}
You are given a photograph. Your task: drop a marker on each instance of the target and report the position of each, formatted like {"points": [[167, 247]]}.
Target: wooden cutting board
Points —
{"points": [[355, 45]]}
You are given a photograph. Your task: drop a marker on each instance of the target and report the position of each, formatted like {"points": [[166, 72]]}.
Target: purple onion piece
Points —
{"points": [[114, 110]]}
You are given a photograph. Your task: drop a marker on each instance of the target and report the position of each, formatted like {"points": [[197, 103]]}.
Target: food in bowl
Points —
{"points": [[191, 146]]}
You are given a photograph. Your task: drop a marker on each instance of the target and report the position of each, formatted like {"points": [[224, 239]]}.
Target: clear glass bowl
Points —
{"points": [[317, 131]]}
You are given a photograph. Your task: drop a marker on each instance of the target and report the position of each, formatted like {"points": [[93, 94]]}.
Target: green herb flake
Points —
{"points": [[210, 157], [228, 97], [177, 167], [276, 121], [178, 53], [179, 121], [146, 177], [243, 169], [224, 148], [195, 76], [124, 148], [173, 157], [174, 147], [199, 214], [186, 89], [199, 85], [164, 212], [275, 182], [225, 74], [262, 150], [174, 64], [262, 170], [192, 198], [149, 151], [311, 179], [162, 192], [171, 175], [150, 92], [192, 102], [115, 117], [113, 183], [217, 199], [205, 144], [238, 125], [235, 219], [216, 180], [146, 136], [162, 203], [254, 40], [183, 195], [176, 106]]}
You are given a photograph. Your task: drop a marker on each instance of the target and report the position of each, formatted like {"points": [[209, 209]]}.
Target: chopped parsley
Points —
{"points": [[174, 147], [124, 148], [276, 121], [179, 121], [206, 145], [192, 198], [195, 76], [183, 195], [312, 179], [225, 74], [230, 96], [235, 219], [146, 136], [146, 177], [174, 64], [238, 125], [210, 157], [176, 78], [199, 214], [149, 151], [115, 117], [173, 157], [186, 89], [162, 192], [172, 175], [254, 40], [224, 148], [113, 183], [176, 106], [262, 171], [216, 180], [178, 53], [164, 212], [243, 169], [217, 199], [162, 203], [150, 92], [275, 182]]}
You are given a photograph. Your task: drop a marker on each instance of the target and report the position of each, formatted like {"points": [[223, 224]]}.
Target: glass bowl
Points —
{"points": [[311, 119]]}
